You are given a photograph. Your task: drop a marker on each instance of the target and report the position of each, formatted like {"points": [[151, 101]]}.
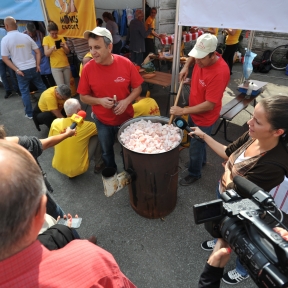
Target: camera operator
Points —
{"points": [[259, 155], [214, 267]]}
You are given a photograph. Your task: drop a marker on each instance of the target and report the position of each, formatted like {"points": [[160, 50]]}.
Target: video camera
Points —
{"points": [[241, 223]]}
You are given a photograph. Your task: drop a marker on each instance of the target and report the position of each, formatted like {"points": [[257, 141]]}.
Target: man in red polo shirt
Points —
{"points": [[24, 261], [103, 78], [209, 79]]}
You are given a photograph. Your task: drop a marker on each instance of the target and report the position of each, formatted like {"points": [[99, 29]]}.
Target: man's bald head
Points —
{"points": [[21, 190], [10, 23]]}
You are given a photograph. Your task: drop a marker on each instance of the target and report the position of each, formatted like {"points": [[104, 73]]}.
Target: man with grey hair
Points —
{"points": [[24, 260], [50, 105], [103, 78], [20, 47], [71, 157], [136, 35]]}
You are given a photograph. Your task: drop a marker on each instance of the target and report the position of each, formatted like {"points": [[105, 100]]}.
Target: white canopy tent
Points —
{"points": [[265, 15]]}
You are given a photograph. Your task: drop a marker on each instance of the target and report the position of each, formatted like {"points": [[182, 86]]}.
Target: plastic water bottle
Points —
{"points": [[250, 89]]}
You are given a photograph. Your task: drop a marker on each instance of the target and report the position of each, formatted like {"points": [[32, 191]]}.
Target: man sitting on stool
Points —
{"points": [[50, 105], [72, 157]]}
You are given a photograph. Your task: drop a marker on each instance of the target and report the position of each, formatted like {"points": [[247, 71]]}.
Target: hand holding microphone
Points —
{"points": [[182, 124], [78, 119]]}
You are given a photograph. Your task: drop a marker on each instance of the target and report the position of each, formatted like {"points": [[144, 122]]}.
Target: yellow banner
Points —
{"points": [[73, 17]]}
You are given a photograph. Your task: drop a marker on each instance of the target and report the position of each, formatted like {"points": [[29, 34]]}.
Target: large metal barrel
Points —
{"points": [[154, 192]]}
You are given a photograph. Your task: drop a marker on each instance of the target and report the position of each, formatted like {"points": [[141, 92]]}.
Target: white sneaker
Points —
{"points": [[233, 277], [208, 245], [28, 117]]}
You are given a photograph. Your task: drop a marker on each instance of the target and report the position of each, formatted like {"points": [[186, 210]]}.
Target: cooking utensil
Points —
{"points": [[176, 101]]}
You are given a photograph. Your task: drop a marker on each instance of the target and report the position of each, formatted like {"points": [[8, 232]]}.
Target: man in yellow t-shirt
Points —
{"points": [[72, 157], [145, 106], [50, 105]]}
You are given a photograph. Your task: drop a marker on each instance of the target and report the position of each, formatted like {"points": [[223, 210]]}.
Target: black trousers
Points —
{"points": [[45, 118], [228, 55], [149, 46]]}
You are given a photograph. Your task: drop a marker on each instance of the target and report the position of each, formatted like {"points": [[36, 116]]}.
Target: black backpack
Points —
{"points": [[264, 65]]}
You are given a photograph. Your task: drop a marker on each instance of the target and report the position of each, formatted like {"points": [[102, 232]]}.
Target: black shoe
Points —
{"points": [[8, 94], [188, 180], [18, 92]]}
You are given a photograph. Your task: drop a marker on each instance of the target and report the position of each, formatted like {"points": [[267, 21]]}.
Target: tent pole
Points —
{"points": [[44, 13], [176, 54]]}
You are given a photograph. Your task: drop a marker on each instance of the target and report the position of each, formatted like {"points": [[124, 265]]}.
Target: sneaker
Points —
{"points": [[233, 277], [208, 245], [29, 117], [188, 180], [8, 94]]}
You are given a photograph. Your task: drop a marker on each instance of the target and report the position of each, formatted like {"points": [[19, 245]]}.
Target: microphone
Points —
{"points": [[247, 189], [78, 119], [183, 125]]}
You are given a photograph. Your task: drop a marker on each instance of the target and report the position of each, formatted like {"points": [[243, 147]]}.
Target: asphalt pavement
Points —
{"points": [[153, 253]]}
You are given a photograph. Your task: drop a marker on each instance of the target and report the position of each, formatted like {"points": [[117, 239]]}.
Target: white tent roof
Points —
{"points": [[264, 15]]}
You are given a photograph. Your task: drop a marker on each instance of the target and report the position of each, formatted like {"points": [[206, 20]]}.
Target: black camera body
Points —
{"points": [[240, 222]]}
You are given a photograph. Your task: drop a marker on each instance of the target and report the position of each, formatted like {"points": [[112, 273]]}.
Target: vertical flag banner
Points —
{"points": [[22, 9], [73, 17]]}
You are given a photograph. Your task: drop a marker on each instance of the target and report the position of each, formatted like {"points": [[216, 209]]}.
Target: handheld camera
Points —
{"points": [[241, 223]]}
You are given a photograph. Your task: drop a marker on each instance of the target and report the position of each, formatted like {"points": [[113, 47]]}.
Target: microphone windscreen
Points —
{"points": [[244, 187], [82, 113]]}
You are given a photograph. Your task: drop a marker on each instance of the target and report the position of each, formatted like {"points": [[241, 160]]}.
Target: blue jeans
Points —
{"points": [[197, 151], [3, 75], [52, 208], [30, 75], [106, 137]]}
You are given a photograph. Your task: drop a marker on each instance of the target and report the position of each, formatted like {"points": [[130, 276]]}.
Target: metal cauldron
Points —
{"points": [[153, 194]]}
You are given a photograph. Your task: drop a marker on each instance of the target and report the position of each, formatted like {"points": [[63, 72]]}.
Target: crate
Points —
{"points": [[253, 93]]}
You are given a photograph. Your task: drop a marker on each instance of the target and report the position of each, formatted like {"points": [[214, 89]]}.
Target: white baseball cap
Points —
{"points": [[100, 32], [205, 44]]}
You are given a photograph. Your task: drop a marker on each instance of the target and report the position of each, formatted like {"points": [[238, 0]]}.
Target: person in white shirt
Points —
{"points": [[20, 46]]}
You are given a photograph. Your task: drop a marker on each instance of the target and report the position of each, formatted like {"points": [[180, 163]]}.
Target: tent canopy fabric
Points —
{"points": [[264, 15], [22, 10]]}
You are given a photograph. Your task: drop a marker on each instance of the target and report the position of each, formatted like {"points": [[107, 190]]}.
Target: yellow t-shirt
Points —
{"points": [[233, 39], [71, 155], [58, 58], [150, 21], [146, 107], [216, 30], [48, 100], [88, 55]]}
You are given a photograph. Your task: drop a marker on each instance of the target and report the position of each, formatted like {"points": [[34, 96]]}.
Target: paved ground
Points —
{"points": [[152, 253]]}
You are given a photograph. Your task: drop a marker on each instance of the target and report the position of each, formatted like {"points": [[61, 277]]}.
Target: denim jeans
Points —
{"points": [[52, 208], [30, 75], [3, 69], [106, 137], [197, 151]]}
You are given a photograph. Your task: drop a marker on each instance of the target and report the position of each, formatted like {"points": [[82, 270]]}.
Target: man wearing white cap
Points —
{"points": [[103, 79], [209, 79]]}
